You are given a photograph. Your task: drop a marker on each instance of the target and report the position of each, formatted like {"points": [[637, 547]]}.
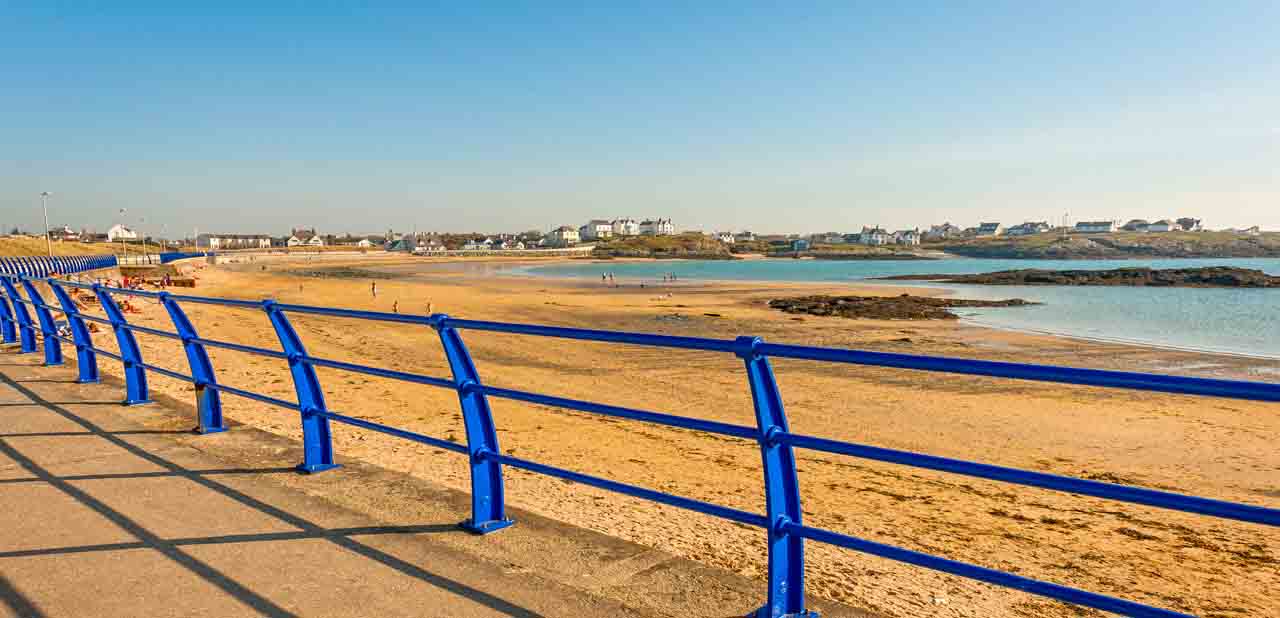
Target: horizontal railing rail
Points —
{"points": [[44, 266], [782, 520]]}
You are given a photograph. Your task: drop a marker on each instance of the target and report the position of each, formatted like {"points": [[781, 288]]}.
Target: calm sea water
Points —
{"points": [[1238, 321]]}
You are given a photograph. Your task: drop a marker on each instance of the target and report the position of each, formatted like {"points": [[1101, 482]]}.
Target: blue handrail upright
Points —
{"points": [[8, 327], [86, 358], [26, 332], [317, 439], [208, 401], [488, 501], [48, 328], [135, 373], [781, 487]]}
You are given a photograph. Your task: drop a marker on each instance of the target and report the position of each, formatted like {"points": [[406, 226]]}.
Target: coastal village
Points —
{"points": [[623, 235]]}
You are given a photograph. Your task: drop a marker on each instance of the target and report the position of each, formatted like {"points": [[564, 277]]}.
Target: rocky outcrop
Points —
{"points": [[1206, 277], [904, 307]]}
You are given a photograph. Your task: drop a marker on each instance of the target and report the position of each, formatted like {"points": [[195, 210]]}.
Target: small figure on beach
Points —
{"points": [[395, 306], [373, 288]]}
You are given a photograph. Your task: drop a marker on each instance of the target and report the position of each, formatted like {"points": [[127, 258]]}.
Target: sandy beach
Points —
{"points": [[1208, 447]]}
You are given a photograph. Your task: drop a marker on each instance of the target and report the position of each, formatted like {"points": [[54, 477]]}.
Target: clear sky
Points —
{"points": [[774, 116]]}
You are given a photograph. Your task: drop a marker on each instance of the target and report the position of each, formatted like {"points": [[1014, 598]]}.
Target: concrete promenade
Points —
{"points": [[122, 511]]}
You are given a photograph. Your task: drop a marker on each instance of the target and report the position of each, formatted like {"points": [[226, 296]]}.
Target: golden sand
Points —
{"points": [[1209, 447]]}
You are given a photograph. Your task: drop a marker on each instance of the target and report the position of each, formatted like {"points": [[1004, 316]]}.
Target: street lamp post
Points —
{"points": [[44, 204]]}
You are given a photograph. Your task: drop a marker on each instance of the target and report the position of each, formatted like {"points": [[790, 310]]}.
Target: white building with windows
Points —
{"points": [[625, 227], [724, 237], [657, 227], [215, 242], [990, 229], [563, 236], [874, 237], [119, 231], [1102, 227], [596, 229], [910, 237]]}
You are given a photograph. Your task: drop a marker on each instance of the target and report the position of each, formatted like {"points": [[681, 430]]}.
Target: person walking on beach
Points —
{"points": [[373, 288]]}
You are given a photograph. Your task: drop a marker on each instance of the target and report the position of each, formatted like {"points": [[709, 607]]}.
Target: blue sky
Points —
{"points": [[789, 117]]}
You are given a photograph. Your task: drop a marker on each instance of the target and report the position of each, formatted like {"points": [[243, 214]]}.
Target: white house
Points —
{"points": [[1095, 227], [990, 229], [724, 237], [119, 231], [873, 236], [478, 245], [563, 236], [625, 227], [944, 231], [1137, 225], [744, 236], [596, 229], [234, 241], [657, 227], [430, 247], [1029, 228], [907, 237], [1164, 225], [1189, 224], [364, 243]]}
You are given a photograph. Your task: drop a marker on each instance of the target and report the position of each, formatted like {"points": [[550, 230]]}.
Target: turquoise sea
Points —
{"points": [[1236, 321]]}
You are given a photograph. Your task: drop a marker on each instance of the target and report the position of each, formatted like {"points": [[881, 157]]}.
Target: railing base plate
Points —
{"points": [[136, 402], [763, 612], [315, 468], [486, 527], [93, 381]]}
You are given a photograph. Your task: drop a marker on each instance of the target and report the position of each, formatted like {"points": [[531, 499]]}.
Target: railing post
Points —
{"points": [[86, 358], [317, 442], [488, 504], [49, 328], [26, 332], [208, 401], [8, 327], [781, 489], [135, 375]]}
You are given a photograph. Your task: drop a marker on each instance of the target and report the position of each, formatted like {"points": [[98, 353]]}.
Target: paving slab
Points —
{"points": [[122, 511]]}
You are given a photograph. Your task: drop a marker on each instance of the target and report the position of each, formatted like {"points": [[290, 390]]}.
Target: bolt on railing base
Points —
{"points": [[763, 612], [136, 402], [487, 527], [88, 380], [315, 468]]}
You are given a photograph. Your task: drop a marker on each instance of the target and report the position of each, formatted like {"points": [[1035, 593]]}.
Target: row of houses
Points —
{"points": [[600, 229]]}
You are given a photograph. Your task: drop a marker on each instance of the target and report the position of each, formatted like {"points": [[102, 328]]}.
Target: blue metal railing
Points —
{"points": [[43, 266], [782, 519]]}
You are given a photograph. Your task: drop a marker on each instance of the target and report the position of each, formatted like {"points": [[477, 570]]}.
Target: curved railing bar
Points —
{"points": [[136, 390], [8, 324], [208, 401], [317, 441], [488, 499], [49, 329], [26, 331]]}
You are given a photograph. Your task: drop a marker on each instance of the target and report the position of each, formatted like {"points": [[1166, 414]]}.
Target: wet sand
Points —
{"points": [[1210, 447]]}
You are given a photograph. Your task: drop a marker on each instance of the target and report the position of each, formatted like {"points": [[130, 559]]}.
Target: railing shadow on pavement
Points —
{"points": [[782, 520], [172, 548]]}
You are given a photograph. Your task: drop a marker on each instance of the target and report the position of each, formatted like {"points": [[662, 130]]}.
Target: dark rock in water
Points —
{"points": [[1205, 277], [904, 307]]}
